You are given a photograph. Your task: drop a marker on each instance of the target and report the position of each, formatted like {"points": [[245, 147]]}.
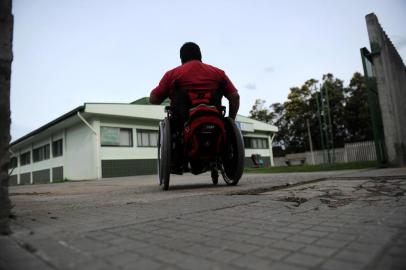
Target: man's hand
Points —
{"points": [[154, 100], [233, 104]]}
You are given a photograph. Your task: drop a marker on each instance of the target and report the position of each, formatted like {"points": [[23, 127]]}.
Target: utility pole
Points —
{"points": [[326, 125], [318, 101], [324, 122], [310, 141], [330, 130]]}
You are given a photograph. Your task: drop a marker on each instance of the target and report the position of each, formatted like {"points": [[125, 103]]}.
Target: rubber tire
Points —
{"points": [[158, 163], [164, 153], [234, 167], [215, 177]]}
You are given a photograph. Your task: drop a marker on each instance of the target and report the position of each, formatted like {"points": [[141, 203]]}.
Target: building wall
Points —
{"points": [[80, 154], [84, 157], [266, 154], [126, 161], [137, 160], [390, 73], [134, 152], [40, 171]]}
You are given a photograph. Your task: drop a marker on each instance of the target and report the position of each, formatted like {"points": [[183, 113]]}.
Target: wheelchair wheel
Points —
{"points": [[164, 153], [233, 158], [215, 176]]}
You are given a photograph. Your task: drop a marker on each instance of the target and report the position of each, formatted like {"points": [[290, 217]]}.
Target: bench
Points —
{"points": [[295, 159]]}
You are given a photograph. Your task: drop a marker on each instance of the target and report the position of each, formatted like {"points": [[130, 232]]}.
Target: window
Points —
{"points": [[41, 153], [147, 138], [25, 158], [261, 144], [57, 148], [247, 142], [113, 136], [13, 162], [256, 143]]}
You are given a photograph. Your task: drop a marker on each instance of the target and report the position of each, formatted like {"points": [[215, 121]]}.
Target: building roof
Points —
{"points": [[50, 124], [140, 109], [157, 112]]}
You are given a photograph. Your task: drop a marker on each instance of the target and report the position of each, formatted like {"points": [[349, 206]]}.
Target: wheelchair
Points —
{"points": [[202, 140]]}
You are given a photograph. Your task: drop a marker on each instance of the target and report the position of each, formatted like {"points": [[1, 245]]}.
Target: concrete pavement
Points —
{"points": [[327, 220]]}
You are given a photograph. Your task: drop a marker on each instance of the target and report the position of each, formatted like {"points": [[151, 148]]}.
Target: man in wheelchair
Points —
{"points": [[196, 135]]}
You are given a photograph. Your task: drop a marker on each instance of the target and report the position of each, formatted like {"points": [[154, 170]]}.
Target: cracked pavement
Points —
{"points": [[326, 220]]}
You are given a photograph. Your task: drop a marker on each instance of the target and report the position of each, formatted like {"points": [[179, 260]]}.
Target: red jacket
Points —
{"points": [[193, 75]]}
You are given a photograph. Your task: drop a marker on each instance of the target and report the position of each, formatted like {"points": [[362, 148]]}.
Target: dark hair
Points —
{"points": [[190, 51]]}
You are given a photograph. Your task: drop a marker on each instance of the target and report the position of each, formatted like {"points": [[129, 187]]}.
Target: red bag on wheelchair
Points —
{"points": [[204, 134]]}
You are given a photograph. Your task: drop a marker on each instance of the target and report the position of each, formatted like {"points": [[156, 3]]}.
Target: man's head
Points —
{"points": [[190, 51]]}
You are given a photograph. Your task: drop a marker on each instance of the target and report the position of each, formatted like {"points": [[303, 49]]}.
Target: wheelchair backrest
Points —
{"points": [[201, 115]]}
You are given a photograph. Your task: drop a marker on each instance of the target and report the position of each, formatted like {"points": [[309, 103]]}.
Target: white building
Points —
{"points": [[100, 140]]}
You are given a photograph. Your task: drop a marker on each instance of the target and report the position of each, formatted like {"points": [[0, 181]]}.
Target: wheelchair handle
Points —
{"points": [[168, 110], [223, 110]]}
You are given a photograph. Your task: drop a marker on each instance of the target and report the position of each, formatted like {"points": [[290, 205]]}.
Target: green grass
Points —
{"points": [[60, 181], [315, 168]]}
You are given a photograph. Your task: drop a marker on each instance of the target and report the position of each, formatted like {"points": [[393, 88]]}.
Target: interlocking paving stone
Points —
{"points": [[252, 262], [271, 253], [319, 251], [198, 228], [314, 233], [288, 245], [340, 265], [361, 257], [301, 239], [286, 266], [304, 259]]}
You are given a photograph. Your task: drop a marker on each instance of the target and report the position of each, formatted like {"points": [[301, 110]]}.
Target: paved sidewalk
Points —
{"points": [[329, 220]]}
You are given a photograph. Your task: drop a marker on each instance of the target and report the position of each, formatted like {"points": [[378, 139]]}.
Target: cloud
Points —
{"points": [[399, 41], [251, 86], [269, 69]]}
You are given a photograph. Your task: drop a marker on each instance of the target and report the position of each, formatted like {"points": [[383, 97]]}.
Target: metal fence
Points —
{"points": [[359, 151]]}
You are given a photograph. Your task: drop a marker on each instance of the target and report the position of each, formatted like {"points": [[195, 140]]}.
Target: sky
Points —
{"points": [[67, 53]]}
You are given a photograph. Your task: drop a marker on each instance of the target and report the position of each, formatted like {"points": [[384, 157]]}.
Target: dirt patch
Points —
{"points": [[30, 193], [384, 187], [335, 193], [336, 202], [296, 200], [262, 190]]}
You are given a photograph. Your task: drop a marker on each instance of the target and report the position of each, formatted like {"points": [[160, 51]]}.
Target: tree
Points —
{"points": [[347, 111], [358, 119], [260, 112], [333, 89], [299, 108], [6, 33]]}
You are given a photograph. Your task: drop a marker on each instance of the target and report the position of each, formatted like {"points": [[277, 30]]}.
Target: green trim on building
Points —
{"points": [[12, 180], [41, 176], [25, 178], [128, 167], [57, 173]]}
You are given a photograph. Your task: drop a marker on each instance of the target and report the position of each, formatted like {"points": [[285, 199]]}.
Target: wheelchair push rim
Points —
{"points": [[232, 166], [164, 153]]}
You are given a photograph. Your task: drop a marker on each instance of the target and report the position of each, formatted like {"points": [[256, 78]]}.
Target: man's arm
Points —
{"points": [[233, 104], [231, 93], [161, 92]]}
